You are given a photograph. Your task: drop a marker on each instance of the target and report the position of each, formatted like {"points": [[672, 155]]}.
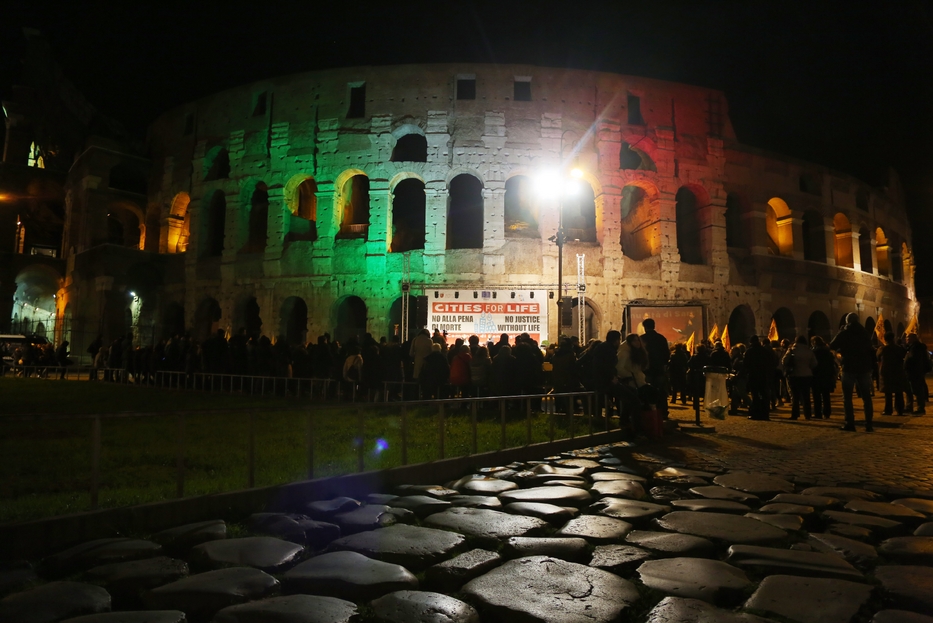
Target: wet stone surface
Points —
{"points": [[99, 552], [634, 511], [291, 609], [724, 493], [54, 602], [810, 600], [711, 506], [758, 484], [486, 526], [596, 529], [720, 527], [347, 575], [412, 547], [619, 558], [422, 607], [683, 610], [540, 588], [565, 548], [560, 496], [182, 538], [909, 587], [618, 489], [483, 485], [774, 560], [550, 513], [126, 580], [672, 544], [909, 549], [451, 574], [202, 595], [262, 552], [697, 578], [855, 552], [149, 616]]}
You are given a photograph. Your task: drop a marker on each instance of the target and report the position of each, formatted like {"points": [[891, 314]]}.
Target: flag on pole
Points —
{"points": [[714, 334], [726, 343], [879, 328], [773, 332], [912, 325], [690, 343]]}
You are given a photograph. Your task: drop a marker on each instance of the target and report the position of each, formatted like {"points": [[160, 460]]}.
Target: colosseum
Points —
{"points": [[384, 199]]}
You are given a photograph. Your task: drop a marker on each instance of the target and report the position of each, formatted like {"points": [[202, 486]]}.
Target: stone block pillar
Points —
{"points": [[435, 223], [494, 217], [856, 251], [666, 231], [232, 242], [796, 232], [380, 209], [755, 224], [829, 238], [275, 230]]}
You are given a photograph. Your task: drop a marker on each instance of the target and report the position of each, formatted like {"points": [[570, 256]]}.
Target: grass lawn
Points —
{"points": [[45, 466]]}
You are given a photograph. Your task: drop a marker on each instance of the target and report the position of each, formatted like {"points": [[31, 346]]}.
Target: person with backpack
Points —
{"points": [[854, 345], [892, 375], [917, 364], [799, 363]]}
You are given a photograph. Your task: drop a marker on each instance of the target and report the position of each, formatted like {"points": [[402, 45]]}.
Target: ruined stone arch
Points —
{"points": [[737, 234], [246, 314], [293, 320], [126, 225], [638, 239], [633, 158], [351, 204], [843, 245], [779, 226], [786, 325], [257, 218], [521, 208], [410, 144], [818, 324], [690, 200], [206, 318], [408, 213], [292, 192], [741, 324], [179, 224], [216, 164], [465, 211], [349, 318]]}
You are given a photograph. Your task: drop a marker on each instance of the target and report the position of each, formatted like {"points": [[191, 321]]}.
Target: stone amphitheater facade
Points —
{"points": [[323, 192]]}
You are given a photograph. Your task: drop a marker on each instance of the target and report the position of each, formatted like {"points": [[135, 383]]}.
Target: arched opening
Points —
{"points": [[408, 214], [123, 226], [465, 213], [350, 317], [217, 165], [780, 229], [579, 210], [115, 233], [786, 327], [294, 321], [814, 237], [410, 148], [258, 219], [592, 321], [818, 324], [688, 227], [173, 320], [632, 158], [883, 251], [843, 246], [206, 319], [864, 250], [302, 224], [247, 316], [215, 225], [355, 203], [735, 229], [128, 179], [179, 224], [34, 299], [521, 214], [741, 324], [635, 236]]}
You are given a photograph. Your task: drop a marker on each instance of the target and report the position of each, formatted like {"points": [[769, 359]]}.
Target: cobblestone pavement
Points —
{"points": [[898, 455]]}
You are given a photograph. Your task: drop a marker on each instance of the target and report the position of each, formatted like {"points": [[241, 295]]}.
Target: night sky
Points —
{"points": [[847, 84]]}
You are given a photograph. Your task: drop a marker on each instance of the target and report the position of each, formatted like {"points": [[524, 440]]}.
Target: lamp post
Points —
{"points": [[551, 183]]}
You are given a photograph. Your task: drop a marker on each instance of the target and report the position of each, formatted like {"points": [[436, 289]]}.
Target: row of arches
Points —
{"points": [[742, 324]]}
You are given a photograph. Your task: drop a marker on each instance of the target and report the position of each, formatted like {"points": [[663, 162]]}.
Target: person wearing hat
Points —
{"points": [[854, 345]]}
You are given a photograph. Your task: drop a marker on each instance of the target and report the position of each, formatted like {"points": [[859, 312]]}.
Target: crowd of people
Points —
{"points": [[628, 374]]}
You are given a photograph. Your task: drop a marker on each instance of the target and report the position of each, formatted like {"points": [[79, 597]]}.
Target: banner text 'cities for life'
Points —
{"points": [[490, 314]]}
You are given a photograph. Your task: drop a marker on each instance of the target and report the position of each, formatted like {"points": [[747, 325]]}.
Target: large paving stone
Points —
{"points": [[908, 586], [855, 552], [486, 526], [180, 539], [634, 511], [711, 506], [547, 590], [790, 561], [895, 512], [433, 490], [845, 494], [347, 575], [715, 492], [451, 574], [553, 480], [916, 550], [560, 471], [16, 574], [682, 610], [262, 552], [783, 508], [751, 482], [202, 595], [721, 527], [669, 544], [668, 493], [379, 498], [54, 602], [900, 616], [295, 528], [816, 501], [697, 578], [420, 505], [587, 464], [850, 532], [290, 609], [619, 489], [596, 528], [475, 501], [147, 616], [784, 522], [670, 473], [878, 525], [325, 509], [565, 548], [422, 607], [550, 513], [925, 529], [99, 552], [412, 547], [809, 600], [126, 580], [918, 504], [561, 496], [484, 485], [364, 518], [618, 558]]}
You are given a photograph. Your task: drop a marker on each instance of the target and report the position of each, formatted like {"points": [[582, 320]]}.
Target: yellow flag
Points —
{"points": [[912, 325], [773, 332], [714, 334], [879, 328], [726, 342], [690, 343]]}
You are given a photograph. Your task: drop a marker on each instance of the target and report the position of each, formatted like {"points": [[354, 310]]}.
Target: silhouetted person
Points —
{"points": [[854, 345]]}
